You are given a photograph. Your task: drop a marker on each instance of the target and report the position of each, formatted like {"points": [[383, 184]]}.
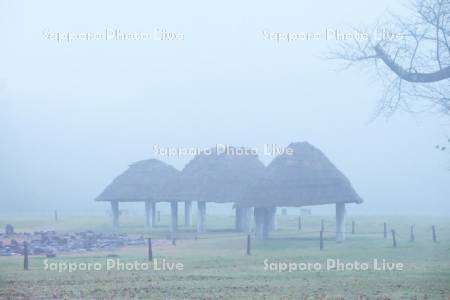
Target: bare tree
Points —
{"points": [[411, 56]]}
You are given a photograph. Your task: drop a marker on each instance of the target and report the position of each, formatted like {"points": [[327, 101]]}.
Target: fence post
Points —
{"points": [[150, 250], [412, 238], [299, 222], [433, 228], [55, 214], [321, 240], [353, 227], [322, 225], [394, 240], [25, 256], [385, 230], [248, 244]]}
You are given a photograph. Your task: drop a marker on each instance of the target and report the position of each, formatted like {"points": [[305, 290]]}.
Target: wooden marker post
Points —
{"points": [[248, 244], [55, 214], [412, 238], [385, 230], [25, 256], [299, 222], [322, 225], [353, 227], [394, 240], [150, 250], [433, 229], [321, 240]]}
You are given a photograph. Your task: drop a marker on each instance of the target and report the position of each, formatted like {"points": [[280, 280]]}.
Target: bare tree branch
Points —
{"points": [[415, 64], [439, 75]]}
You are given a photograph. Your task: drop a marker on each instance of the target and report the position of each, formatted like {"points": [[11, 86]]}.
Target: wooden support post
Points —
{"points": [[272, 218], [299, 222], [115, 213], [385, 230], [266, 223], [55, 214], [174, 216], [340, 222], [246, 219], [433, 229], [412, 238], [321, 240], [248, 244], [148, 214], [322, 225], [201, 216], [25, 256], [353, 227], [394, 240], [150, 250], [238, 218], [259, 222], [187, 213], [153, 214]]}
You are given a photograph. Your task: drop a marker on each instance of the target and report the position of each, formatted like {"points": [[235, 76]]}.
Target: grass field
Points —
{"points": [[216, 265]]}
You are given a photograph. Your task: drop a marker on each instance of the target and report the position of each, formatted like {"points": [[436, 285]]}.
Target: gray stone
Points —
{"points": [[9, 229]]}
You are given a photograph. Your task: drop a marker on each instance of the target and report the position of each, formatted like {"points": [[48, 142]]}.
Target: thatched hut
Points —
{"points": [[304, 176], [218, 175], [143, 181]]}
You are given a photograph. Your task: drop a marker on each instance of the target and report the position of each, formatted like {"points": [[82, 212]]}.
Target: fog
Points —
{"points": [[74, 115]]}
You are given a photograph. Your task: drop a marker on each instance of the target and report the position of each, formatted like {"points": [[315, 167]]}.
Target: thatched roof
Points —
{"points": [[217, 177], [306, 177], [144, 180]]}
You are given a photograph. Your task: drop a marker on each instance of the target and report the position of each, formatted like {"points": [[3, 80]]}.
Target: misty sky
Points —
{"points": [[74, 115]]}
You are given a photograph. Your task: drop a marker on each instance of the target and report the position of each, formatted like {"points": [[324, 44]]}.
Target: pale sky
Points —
{"points": [[74, 115]]}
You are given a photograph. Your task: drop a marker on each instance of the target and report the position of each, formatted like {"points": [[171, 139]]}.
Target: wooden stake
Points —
{"points": [[321, 240], [433, 228], [412, 238], [25, 256], [150, 250], [385, 230], [322, 225], [394, 240], [299, 222], [248, 244], [55, 213], [353, 227]]}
